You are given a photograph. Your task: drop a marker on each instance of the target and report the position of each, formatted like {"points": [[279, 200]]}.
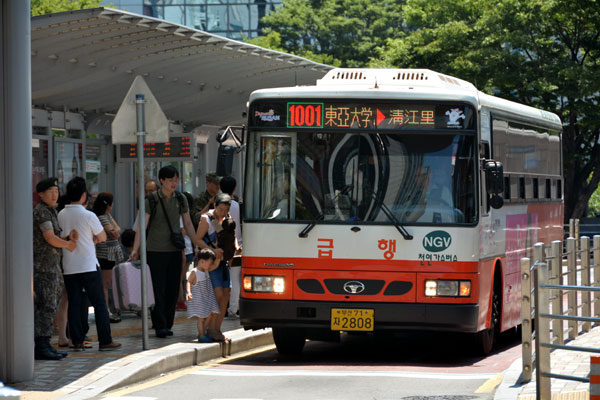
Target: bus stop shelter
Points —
{"points": [[82, 64]]}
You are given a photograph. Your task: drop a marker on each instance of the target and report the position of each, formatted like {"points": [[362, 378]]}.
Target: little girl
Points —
{"points": [[202, 303]]}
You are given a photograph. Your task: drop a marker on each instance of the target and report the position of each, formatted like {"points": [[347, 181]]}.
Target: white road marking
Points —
{"points": [[129, 398], [392, 374]]}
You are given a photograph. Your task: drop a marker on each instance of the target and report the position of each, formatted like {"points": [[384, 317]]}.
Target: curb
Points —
{"points": [[152, 363]]}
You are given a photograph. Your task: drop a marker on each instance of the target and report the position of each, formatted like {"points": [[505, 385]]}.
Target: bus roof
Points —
{"points": [[399, 84]]}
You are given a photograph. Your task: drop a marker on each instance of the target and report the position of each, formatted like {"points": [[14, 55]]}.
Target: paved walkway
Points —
{"points": [[564, 362], [81, 370]]}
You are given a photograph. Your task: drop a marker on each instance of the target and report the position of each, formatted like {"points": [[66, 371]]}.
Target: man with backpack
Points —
{"points": [[164, 243], [216, 230]]}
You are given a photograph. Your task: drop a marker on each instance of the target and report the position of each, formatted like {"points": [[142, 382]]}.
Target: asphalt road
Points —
{"points": [[408, 367]]}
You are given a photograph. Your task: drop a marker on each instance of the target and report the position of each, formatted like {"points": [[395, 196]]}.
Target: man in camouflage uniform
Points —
{"points": [[203, 202], [47, 273]]}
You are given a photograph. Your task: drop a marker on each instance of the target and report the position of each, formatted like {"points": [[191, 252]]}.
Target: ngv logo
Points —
{"points": [[437, 241]]}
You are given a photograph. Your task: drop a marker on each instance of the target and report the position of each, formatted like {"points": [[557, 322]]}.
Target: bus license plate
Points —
{"points": [[349, 319]]}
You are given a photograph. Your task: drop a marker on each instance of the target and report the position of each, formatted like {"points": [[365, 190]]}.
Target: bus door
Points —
{"points": [[277, 173]]}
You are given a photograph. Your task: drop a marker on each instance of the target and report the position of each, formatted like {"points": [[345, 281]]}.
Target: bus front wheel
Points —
{"points": [[289, 341], [487, 337]]}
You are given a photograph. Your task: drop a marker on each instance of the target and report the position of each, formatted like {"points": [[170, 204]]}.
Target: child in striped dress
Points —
{"points": [[202, 303]]}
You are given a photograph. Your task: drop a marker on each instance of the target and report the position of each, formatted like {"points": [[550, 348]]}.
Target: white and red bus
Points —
{"points": [[389, 200]]}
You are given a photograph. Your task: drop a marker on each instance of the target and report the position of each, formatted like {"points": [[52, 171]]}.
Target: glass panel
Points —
{"points": [[39, 148], [216, 18], [239, 18], [354, 177], [195, 17], [275, 177], [175, 14], [93, 168], [187, 175], [68, 162]]}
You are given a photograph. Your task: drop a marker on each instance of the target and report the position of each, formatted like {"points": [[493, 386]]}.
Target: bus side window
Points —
{"points": [[522, 188], [507, 188]]}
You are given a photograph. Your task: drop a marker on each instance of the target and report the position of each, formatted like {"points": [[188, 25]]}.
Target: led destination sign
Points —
{"points": [[378, 116], [176, 147]]}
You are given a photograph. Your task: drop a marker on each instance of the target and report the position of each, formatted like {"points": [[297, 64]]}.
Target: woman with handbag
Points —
{"points": [[109, 253]]}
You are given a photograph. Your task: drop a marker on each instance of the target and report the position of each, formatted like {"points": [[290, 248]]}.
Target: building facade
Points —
{"points": [[234, 19]]}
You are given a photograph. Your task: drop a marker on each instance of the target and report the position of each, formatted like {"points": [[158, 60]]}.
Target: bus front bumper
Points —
{"points": [[258, 314]]}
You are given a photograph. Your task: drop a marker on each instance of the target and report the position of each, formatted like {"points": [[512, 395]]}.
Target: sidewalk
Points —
{"points": [[86, 374], [565, 362]]}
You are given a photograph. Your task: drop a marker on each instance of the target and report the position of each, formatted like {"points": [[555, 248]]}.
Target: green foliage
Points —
{"points": [[544, 53], [40, 7], [337, 32]]}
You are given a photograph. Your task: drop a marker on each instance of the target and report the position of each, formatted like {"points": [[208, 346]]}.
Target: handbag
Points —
{"points": [[176, 237]]}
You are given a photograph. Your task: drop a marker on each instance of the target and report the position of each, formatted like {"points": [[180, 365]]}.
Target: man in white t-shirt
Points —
{"points": [[80, 267]]}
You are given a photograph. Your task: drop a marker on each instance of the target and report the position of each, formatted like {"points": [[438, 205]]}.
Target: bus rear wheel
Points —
{"points": [[289, 341], [486, 339]]}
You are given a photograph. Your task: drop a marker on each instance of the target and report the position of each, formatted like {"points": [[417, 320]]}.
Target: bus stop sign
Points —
{"points": [[124, 126]]}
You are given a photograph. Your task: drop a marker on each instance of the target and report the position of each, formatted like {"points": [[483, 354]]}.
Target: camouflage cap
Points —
{"points": [[46, 184], [213, 177]]}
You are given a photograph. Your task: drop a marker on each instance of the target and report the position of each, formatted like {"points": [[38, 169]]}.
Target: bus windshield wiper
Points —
{"points": [[397, 224], [321, 216]]}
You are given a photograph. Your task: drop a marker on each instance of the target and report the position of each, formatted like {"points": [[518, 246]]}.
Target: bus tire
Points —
{"points": [[486, 339], [289, 341]]}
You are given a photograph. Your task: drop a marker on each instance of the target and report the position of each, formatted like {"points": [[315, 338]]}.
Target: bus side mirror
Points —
{"points": [[225, 160], [494, 182]]}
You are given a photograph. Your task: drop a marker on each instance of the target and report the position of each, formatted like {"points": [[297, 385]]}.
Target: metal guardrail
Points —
{"points": [[543, 287]]}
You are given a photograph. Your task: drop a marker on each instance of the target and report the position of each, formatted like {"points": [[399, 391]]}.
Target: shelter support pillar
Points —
{"points": [[16, 221]]}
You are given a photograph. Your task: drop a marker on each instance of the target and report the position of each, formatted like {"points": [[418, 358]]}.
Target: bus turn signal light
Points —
{"points": [[447, 288]]}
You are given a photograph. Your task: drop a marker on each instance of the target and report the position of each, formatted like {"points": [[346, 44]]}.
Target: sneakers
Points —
{"points": [[109, 346], [77, 347], [204, 339], [162, 333]]}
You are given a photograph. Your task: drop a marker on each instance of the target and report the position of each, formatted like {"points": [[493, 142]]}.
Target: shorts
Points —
{"points": [[106, 265], [220, 276], [189, 258]]}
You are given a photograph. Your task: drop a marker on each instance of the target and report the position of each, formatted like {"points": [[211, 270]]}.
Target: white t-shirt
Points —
{"points": [[87, 224], [234, 211]]}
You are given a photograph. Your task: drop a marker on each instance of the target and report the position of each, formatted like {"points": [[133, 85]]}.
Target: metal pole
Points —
{"points": [[526, 304], [572, 280], [542, 334], [586, 296], [557, 302], [16, 214], [141, 136]]}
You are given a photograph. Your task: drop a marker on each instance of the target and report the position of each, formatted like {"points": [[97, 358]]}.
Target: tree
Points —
{"points": [[40, 7], [544, 53], [337, 32]]}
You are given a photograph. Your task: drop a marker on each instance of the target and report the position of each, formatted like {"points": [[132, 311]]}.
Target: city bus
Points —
{"points": [[387, 200]]}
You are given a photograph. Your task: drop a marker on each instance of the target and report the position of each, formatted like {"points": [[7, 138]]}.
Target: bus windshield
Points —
{"points": [[422, 178]]}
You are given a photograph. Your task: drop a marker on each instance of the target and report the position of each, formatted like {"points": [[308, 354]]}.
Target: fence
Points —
{"points": [[543, 287]]}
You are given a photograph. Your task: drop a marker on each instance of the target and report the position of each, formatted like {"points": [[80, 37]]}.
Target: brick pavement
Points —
{"points": [[53, 379], [566, 362]]}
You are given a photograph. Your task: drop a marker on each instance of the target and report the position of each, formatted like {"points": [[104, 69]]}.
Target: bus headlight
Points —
{"points": [[447, 288], [264, 284]]}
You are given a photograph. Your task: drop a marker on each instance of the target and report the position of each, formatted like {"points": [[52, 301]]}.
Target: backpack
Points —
{"points": [[152, 200], [225, 235]]}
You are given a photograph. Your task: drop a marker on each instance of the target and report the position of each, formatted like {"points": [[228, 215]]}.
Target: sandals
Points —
{"points": [[204, 339], [216, 335]]}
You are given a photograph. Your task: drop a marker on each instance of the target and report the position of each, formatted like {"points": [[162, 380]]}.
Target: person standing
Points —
{"points": [[109, 253], [81, 267], [228, 185], [163, 239], [207, 237], [47, 275], [205, 200]]}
